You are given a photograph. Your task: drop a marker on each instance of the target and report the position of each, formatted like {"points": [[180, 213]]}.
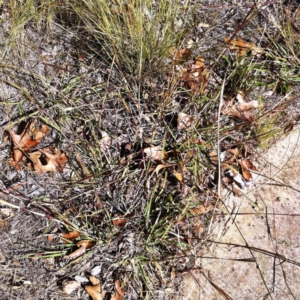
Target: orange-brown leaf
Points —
{"points": [[199, 210], [24, 142], [239, 110], [71, 235], [30, 136], [94, 280], [78, 252], [86, 244], [119, 292], [56, 160], [94, 291], [120, 222], [196, 78], [181, 56], [83, 245], [242, 46], [235, 153], [247, 165]]}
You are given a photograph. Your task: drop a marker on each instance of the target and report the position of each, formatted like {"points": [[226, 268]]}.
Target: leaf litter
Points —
{"points": [[43, 160], [82, 247]]}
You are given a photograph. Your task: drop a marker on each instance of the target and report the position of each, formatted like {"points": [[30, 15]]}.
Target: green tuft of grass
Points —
{"points": [[136, 35]]}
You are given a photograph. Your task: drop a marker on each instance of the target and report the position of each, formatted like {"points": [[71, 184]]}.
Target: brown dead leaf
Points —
{"points": [[94, 290], [242, 46], [119, 292], [86, 244], [199, 210], [30, 136], [24, 142], [181, 56], [82, 246], [247, 165], [120, 222], [155, 153], [184, 121], [235, 153], [71, 235], [195, 78], [239, 110], [55, 160]]}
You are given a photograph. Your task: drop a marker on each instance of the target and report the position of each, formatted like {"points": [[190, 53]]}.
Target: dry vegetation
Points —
{"points": [[120, 121]]}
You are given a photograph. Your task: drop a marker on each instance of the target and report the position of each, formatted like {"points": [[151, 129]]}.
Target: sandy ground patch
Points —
{"points": [[255, 250]]}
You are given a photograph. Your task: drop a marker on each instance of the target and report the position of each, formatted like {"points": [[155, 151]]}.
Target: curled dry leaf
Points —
{"points": [[24, 142], [155, 153], [181, 56], [82, 246], [184, 121], [235, 153], [94, 290], [242, 46], [55, 160], [120, 222], [195, 78], [239, 110], [247, 165], [69, 287], [71, 235], [119, 292]]}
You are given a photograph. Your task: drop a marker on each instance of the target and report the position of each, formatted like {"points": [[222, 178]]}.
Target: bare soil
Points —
{"points": [[254, 251]]}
